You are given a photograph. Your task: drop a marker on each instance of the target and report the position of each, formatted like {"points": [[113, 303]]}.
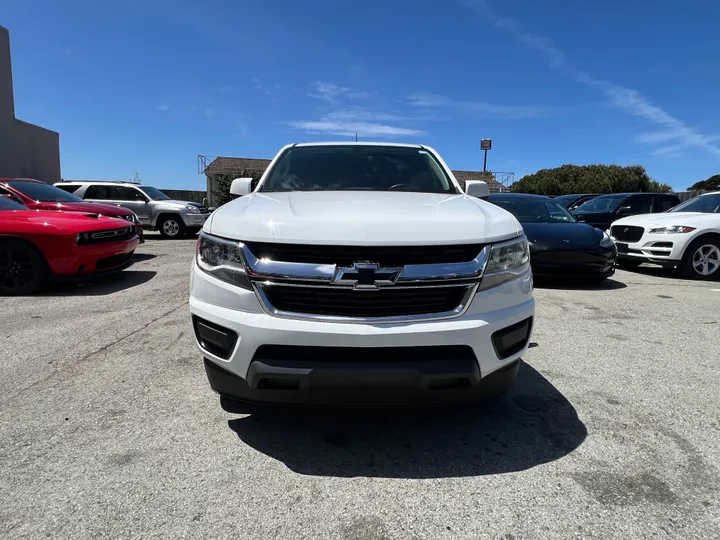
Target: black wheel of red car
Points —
{"points": [[22, 268]]}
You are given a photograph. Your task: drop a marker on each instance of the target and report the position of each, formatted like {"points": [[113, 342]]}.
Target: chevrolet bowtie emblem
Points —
{"points": [[366, 275]]}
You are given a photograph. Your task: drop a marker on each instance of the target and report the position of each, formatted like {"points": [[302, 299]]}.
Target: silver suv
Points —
{"points": [[156, 211]]}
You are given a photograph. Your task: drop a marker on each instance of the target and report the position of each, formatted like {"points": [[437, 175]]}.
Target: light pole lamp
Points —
{"points": [[485, 145]]}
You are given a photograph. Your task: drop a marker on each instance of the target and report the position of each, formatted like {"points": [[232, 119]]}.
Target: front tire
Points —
{"points": [[22, 268], [702, 259], [172, 226]]}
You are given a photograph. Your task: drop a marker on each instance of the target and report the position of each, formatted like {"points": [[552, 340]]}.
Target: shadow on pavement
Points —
{"points": [[577, 284], [531, 425], [101, 285], [139, 257]]}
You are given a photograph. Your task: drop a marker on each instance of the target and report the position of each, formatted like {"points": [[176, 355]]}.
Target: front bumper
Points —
{"points": [[310, 361], [195, 221], [665, 249], [569, 264], [87, 260]]}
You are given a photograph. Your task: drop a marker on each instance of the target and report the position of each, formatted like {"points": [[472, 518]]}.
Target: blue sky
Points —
{"points": [[147, 86]]}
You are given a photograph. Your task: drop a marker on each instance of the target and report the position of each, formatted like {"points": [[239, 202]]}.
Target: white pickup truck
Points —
{"points": [[360, 274]]}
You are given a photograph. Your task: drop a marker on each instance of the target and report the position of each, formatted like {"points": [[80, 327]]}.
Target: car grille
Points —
{"points": [[343, 302], [394, 256], [202, 209], [111, 235], [627, 233]]}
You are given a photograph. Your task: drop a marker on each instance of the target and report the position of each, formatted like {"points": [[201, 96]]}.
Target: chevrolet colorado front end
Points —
{"points": [[360, 274]]}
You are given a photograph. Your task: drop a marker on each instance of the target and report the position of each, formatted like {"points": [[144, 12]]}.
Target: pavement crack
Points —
{"points": [[89, 355]]}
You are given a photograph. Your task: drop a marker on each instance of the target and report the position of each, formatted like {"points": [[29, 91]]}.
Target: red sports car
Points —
{"points": [[36, 245], [38, 195]]}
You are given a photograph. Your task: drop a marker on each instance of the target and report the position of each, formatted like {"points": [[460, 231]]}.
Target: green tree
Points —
{"points": [[222, 189], [711, 184], [589, 179]]}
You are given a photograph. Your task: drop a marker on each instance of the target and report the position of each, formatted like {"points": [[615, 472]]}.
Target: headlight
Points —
{"points": [[606, 241], [507, 261], [192, 209], [222, 259], [673, 229]]}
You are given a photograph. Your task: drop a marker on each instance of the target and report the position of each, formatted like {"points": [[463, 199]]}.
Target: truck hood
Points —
{"points": [[690, 219], [178, 203], [362, 218]]}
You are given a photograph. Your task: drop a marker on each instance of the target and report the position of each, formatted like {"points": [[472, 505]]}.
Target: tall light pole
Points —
{"points": [[485, 145]]}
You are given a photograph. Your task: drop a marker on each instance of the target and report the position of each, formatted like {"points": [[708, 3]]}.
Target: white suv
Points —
{"points": [[360, 274], [687, 236]]}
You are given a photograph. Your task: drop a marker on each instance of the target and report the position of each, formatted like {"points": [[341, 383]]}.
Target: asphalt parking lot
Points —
{"points": [[108, 428]]}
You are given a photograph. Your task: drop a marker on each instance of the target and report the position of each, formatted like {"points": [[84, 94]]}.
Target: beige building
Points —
{"points": [[221, 166], [26, 150]]}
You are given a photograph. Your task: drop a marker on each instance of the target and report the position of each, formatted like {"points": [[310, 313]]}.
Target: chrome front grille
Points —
{"points": [[364, 283]]}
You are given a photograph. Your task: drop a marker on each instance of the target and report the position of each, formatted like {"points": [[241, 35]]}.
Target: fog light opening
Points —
{"points": [[512, 339]]}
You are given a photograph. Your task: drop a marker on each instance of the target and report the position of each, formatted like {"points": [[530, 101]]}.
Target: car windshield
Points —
{"points": [[5, 204], [709, 204], [565, 200], [604, 203], [531, 210], [358, 167], [43, 192], [154, 193]]}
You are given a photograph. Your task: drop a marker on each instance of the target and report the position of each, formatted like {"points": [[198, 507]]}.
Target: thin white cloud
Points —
{"points": [[481, 109], [362, 123], [626, 99], [332, 92], [260, 87], [163, 108]]}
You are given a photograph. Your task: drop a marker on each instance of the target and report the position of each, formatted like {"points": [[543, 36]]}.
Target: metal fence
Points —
{"points": [[185, 195]]}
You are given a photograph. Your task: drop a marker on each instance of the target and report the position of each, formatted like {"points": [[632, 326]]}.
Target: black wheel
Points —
{"points": [[702, 259], [626, 264], [22, 268], [172, 226]]}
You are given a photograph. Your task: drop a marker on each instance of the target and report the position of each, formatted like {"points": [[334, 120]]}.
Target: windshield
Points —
{"points": [[44, 192], [604, 203], [358, 167], [5, 204], [154, 193], [565, 200], [709, 204], [531, 210]]}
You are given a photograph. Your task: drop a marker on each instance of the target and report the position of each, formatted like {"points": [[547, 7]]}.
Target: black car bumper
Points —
{"points": [[568, 264], [353, 384]]}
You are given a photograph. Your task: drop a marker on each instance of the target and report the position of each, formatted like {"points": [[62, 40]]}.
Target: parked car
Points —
{"points": [[603, 210], [687, 237], [36, 245], [174, 219], [358, 273], [571, 202], [560, 246], [37, 195]]}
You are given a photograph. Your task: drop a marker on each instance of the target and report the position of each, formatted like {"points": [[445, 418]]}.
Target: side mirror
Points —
{"points": [[477, 188], [624, 210], [580, 219], [240, 186]]}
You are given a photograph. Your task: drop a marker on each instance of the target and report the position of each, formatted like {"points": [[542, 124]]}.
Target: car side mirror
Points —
{"points": [[477, 188], [240, 186], [624, 210], [580, 219]]}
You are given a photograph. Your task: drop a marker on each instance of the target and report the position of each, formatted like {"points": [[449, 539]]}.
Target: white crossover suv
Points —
{"points": [[360, 273], [686, 236]]}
